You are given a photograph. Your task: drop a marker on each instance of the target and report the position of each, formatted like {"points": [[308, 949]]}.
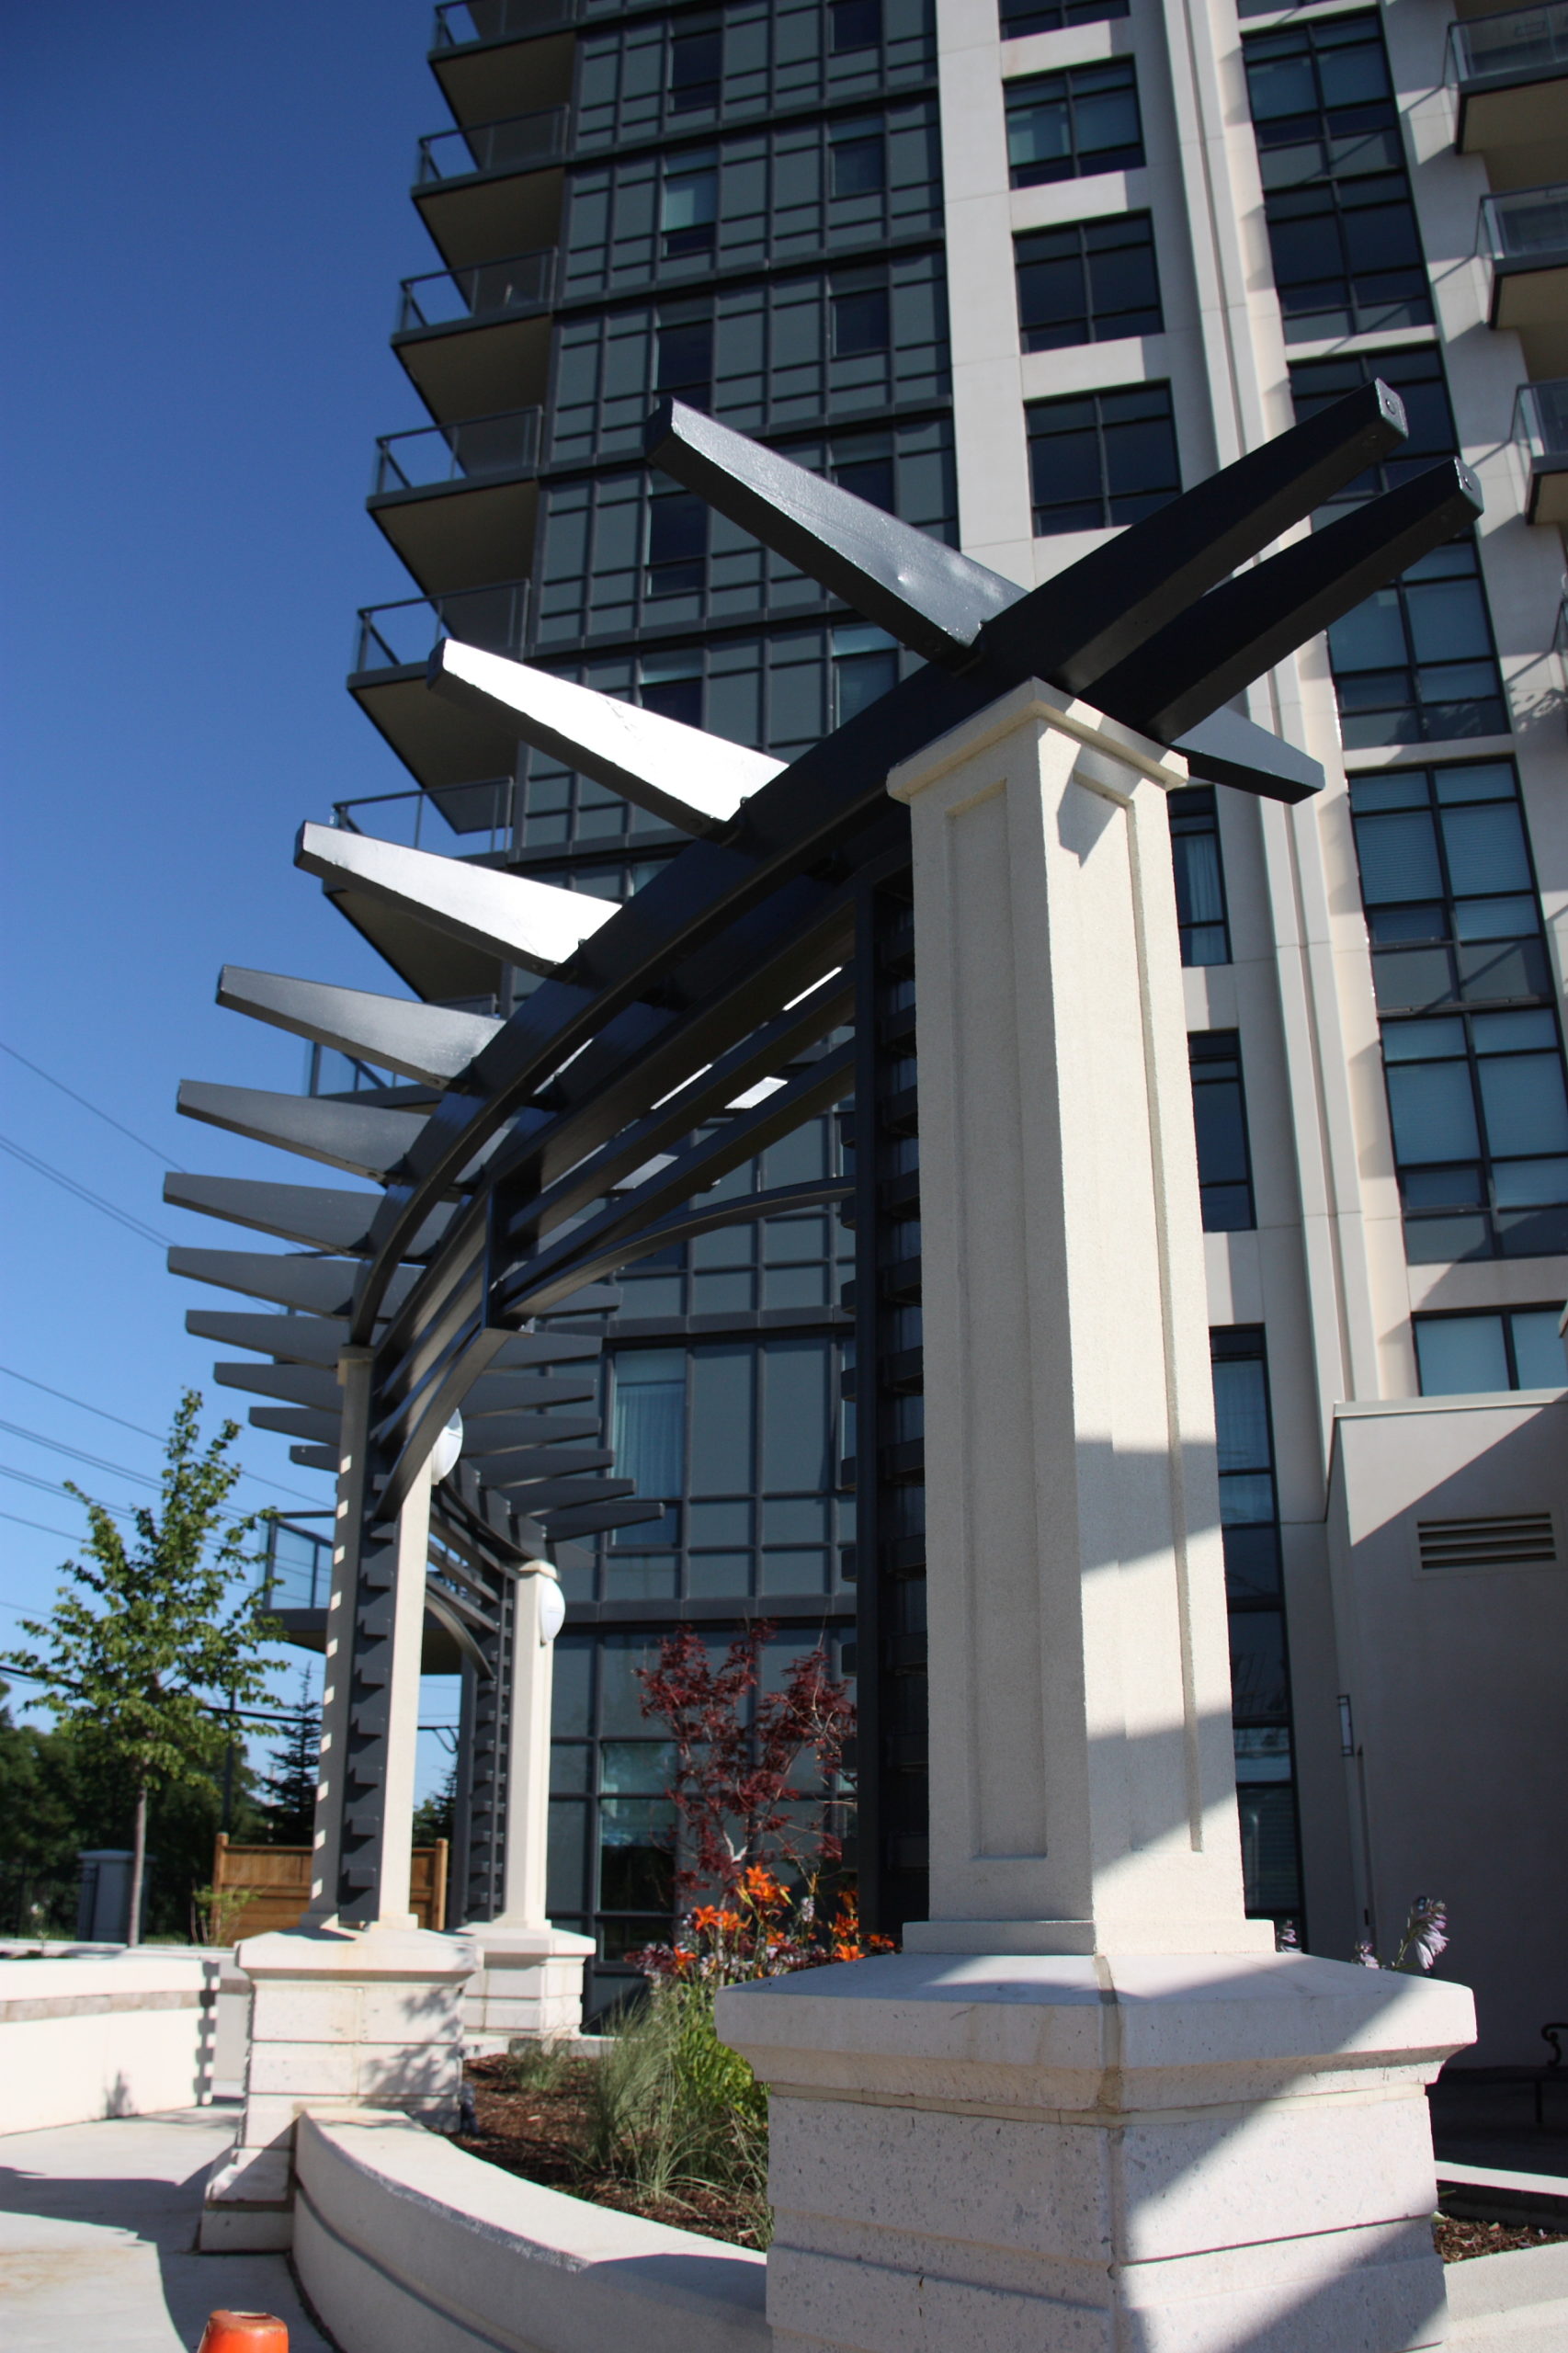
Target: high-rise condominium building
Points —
{"points": [[1019, 272]]}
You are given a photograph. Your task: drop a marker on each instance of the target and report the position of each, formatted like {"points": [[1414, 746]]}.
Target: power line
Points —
{"points": [[66, 1399], [16, 1429], [50, 1080], [84, 1193], [52, 1487], [19, 1521], [97, 1463]]}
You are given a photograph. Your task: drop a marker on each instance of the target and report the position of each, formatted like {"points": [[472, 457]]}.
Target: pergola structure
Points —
{"points": [[1087, 1989], [525, 1160]]}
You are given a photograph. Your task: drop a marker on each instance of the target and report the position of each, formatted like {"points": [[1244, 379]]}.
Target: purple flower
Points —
{"points": [[1425, 1932], [1365, 1956]]}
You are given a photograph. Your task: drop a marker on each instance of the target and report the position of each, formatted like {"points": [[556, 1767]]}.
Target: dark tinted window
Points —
{"points": [[1088, 282], [1103, 458], [1061, 126]]}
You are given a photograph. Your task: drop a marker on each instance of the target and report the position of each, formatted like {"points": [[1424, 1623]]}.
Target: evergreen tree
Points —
{"points": [[143, 1677], [433, 1815], [288, 1792]]}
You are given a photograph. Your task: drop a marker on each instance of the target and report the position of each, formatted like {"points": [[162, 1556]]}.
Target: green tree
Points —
{"points": [[289, 1792], [434, 1815], [145, 1671]]}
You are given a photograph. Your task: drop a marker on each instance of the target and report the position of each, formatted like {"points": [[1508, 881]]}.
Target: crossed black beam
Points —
{"points": [[1151, 628]]}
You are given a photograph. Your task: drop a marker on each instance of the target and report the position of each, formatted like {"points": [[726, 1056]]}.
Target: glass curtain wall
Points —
{"points": [[752, 223]]}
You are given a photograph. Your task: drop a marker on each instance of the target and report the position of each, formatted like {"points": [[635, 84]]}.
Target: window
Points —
{"points": [[1248, 1511], [1061, 126], [1517, 1347], [861, 322], [1480, 1116], [1342, 229], [1088, 283], [689, 210], [1417, 376], [1449, 889], [865, 667], [677, 543], [695, 67], [1347, 258], [1200, 878], [1415, 662], [641, 73], [1019, 18], [1102, 458], [854, 24], [871, 478], [858, 164], [683, 361], [1260, 1680], [1218, 1110], [670, 684], [767, 357], [738, 1437]]}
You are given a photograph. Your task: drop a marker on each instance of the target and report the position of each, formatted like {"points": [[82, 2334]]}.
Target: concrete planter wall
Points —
{"points": [[402, 2240], [118, 2036]]}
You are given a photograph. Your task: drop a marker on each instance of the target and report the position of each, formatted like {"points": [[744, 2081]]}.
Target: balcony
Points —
{"points": [[440, 745], [1525, 233], [1511, 74], [503, 55], [475, 342], [457, 502], [483, 190], [399, 636], [1540, 430], [482, 812]]}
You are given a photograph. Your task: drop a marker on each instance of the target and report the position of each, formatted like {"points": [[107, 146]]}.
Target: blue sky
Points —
{"points": [[208, 217]]}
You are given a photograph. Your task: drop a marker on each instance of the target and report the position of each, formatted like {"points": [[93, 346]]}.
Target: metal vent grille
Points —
{"points": [[1521, 1539]]}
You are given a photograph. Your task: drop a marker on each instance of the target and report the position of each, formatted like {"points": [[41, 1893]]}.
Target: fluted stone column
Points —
{"points": [[1087, 2105]]}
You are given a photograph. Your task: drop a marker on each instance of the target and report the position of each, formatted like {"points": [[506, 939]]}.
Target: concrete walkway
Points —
{"points": [[98, 2225]]}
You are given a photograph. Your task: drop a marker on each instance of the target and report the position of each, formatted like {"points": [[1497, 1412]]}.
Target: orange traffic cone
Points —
{"points": [[243, 2332]]}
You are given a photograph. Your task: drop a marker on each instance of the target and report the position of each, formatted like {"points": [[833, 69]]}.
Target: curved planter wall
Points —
{"points": [[402, 2240], [120, 2036]]}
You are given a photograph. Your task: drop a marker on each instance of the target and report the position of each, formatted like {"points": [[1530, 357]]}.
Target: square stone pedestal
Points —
{"points": [[1135, 2155], [341, 2019], [529, 1983]]}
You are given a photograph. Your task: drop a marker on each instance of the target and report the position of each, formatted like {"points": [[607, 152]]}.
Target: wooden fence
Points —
{"points": [[256, 1889]]}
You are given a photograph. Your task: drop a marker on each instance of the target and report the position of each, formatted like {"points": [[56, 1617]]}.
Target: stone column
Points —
{"points": [[347, 2017], [531, 1982], [1087, 2105]]}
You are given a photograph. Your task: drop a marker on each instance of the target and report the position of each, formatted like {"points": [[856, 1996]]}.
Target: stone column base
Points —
{"points": [[347, 2019], [1111, 2155], [529, 1983]]}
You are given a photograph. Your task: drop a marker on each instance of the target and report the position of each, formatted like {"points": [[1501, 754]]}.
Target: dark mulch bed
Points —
{"points": [[1457, 2241], [541, 2134]]}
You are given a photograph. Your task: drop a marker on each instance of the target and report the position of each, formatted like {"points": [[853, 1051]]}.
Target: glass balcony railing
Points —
{"points": [[1515, 47], [482, 449], [1525, 225], [1541, 419], [485, 808], [490, 290], [399, 636], [519, 144], [297, 1572], [460, 23]]}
